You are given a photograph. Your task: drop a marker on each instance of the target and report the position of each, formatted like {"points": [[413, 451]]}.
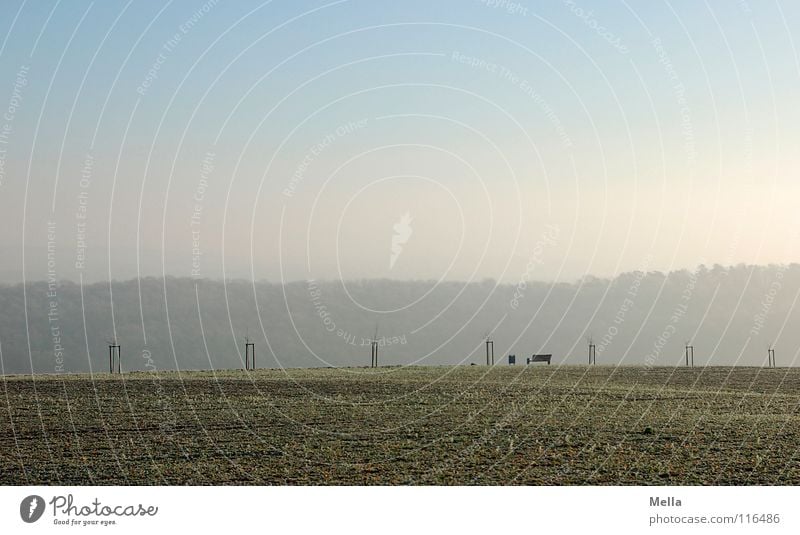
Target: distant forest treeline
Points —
{"points": [[731, 316]]}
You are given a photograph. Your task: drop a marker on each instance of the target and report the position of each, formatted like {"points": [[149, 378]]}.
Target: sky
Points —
{"points": [[449, 140]]}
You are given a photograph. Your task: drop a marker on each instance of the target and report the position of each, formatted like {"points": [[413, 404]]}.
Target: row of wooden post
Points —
{"points": [[115, 355]]}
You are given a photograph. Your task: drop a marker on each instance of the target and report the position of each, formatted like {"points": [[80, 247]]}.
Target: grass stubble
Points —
{"points": [[536, 425]]}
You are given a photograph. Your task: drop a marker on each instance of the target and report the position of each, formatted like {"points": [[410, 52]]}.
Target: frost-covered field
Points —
{"points": [[419, 425]]}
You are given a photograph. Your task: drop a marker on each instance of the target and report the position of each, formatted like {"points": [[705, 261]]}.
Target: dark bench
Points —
{"points": [[540, 358]]}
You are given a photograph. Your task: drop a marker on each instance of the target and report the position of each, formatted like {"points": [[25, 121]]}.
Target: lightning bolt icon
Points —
{"points": [[34, 503]]}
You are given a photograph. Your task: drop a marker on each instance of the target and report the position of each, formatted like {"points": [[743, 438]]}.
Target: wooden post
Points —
{"points": [[114, 351], [592, 353], [249, 349], [771, 358], [374, 348], [489, 352]]}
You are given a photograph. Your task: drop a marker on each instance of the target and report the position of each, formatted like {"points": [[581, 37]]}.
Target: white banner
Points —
{"points": [[414, 510]]}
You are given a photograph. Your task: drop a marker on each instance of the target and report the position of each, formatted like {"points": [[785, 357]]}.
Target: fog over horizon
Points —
{"points": [[427, 158], [731, 316], [286, 141]]}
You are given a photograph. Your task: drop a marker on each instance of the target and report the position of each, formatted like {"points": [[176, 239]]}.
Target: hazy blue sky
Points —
{"points": [[544, 140]]}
